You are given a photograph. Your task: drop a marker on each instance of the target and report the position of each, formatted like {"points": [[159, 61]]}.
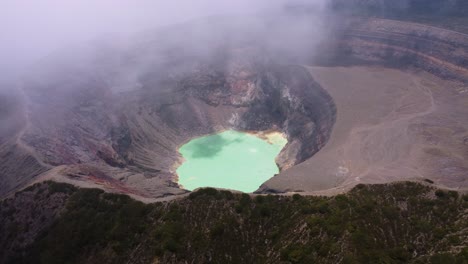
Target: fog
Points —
{"points": [[53, 51], [68, 66], [32, 29]]}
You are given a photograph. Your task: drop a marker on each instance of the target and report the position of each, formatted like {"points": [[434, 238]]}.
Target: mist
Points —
{"points": [[54, 51], [31, 30]]}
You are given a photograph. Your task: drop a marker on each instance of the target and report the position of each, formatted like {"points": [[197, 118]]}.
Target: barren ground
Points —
{"points": [[391, 126]]}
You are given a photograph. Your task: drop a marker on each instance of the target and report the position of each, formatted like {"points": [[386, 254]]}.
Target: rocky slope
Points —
{"points": [[396, 43], [401, 8]]}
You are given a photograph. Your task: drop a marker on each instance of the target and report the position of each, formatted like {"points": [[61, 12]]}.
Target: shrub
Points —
{"points": [[296, 197], [440, 194]]}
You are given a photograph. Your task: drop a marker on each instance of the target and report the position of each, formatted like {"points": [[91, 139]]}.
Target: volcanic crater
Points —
{"points": [[381, 101]]}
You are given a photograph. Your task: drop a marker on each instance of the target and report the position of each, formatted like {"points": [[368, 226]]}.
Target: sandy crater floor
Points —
{"points": [[391, 125]]}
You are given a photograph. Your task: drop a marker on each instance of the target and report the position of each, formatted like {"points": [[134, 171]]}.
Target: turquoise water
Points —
{"points": [[231, 159]]}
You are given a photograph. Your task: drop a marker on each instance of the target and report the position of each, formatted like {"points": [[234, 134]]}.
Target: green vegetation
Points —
{"points": [[94, 219], [394, 223]]}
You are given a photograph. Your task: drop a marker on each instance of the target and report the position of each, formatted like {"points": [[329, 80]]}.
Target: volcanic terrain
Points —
{"points": [[389, 104]]}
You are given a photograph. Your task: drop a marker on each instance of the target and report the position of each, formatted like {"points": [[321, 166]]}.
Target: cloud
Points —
{"points": [[31, 29]]}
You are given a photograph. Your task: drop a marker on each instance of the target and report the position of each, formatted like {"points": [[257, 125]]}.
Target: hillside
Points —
{"points": [[392, 223]]}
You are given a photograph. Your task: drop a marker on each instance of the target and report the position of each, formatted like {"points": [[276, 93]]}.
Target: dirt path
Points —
{"points": [[382, 151]]}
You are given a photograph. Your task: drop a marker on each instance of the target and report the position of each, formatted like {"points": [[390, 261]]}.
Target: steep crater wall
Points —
{"points": [[84, 132], [281, 98], [400, 44]]}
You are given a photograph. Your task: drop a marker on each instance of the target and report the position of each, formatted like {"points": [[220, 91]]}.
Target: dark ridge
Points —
{"points": [[390, 223]]}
